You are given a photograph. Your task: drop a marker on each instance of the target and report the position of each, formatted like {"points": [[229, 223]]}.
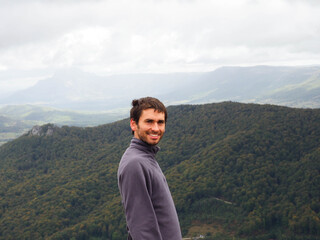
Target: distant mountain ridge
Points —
{"points": [[73, 89], [236, 171], [289, 86], [102, 99], [77, 90]]}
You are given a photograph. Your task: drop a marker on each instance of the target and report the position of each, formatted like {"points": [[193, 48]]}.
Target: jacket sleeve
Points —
{"points": [[136, 188]]}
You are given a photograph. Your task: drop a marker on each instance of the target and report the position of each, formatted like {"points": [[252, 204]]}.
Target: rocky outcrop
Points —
{"points": [[45, 130]]}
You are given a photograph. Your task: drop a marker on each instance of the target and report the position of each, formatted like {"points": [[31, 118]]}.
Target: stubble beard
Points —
{"points": [[144, 137]]}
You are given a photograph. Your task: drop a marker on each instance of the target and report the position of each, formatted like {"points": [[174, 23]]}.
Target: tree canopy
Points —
{"points": [[246, 171]]}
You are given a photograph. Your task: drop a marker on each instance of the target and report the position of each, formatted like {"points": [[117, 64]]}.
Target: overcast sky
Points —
{"points": [[154, 36]]}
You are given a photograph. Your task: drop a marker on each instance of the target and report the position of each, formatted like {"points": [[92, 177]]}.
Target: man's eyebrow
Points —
{"points": [[152, 120]]}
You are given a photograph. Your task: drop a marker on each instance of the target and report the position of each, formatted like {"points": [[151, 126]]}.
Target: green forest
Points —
{"points": [[236, 171]]}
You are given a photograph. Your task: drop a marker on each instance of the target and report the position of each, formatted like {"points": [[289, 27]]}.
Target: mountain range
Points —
{"points": [[73, 89], [236, 171], [75, 98]]}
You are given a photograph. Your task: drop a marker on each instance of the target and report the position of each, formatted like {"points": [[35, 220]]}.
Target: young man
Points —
{"points": [[149, 208]]}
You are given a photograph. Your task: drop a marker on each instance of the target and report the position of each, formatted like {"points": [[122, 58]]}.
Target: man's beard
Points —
{"points": [[144, 137]]}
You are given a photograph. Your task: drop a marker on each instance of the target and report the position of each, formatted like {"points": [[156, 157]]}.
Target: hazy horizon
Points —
{"points": [[38, 38]]}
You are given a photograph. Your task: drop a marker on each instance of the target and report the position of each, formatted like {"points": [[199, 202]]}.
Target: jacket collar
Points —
{"points": [[141, 145]]}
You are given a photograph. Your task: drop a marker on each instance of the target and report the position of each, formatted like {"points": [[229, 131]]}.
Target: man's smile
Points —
{"points": [[154, 136]]}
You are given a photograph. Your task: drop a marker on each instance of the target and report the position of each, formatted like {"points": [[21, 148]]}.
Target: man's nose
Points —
{"points": [[155, 127]]}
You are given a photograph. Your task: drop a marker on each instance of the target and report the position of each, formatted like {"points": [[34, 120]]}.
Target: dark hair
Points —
{"points": [[138, 105]]}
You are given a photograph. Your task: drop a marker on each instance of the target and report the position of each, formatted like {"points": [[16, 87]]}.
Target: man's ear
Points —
{"points": [[133, 125]]}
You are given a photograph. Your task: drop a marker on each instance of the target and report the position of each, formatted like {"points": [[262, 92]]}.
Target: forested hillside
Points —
{"points": [[236, 171]]}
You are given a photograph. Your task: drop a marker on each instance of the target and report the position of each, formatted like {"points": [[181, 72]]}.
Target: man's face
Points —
{"points": [[151, 126]]}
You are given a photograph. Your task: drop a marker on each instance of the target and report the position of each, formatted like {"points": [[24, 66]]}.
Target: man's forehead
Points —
{"points": [[152, 113]]}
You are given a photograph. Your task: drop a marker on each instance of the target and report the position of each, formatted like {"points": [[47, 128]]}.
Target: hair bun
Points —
{"points": [[135, 102]]}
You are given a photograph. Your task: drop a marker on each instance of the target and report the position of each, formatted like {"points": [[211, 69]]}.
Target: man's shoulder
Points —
{"points": [[133, 158], [132, 154], [133, 167]]}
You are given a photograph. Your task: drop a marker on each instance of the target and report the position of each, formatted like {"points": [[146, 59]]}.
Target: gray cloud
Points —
{"points": [[157, 36]]}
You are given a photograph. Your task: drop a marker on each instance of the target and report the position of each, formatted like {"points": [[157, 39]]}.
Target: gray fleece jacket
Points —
{"points": [[149, 208]]}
